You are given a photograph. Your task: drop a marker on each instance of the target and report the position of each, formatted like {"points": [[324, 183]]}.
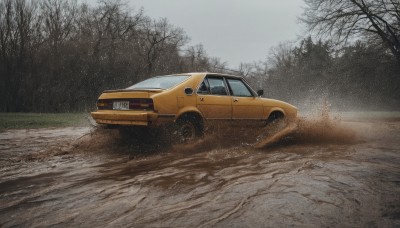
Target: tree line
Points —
{"points": [[359, 76], [352, 61], [59, 55]]}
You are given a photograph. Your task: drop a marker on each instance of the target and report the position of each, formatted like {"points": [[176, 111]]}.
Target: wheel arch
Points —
{"points": [[274, 111], [191, 112]]}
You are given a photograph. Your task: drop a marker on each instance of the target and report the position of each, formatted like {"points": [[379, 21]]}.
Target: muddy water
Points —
{"points": [[325, 173]]}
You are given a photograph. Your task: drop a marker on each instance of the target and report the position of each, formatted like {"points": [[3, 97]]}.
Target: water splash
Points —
{"points": [[319, 129]]}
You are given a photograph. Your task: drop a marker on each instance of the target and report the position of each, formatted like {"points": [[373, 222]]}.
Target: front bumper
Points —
{"points": [[132, 118]]}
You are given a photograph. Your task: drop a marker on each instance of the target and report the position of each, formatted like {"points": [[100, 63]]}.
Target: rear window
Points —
{"points": [[160, 82]]}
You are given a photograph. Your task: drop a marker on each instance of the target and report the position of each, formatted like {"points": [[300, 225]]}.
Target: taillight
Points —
{"points": [[141, 104], [103, 104]]}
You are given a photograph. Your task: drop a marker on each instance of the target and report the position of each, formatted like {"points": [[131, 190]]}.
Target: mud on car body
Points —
{"points": [[189, 102]]}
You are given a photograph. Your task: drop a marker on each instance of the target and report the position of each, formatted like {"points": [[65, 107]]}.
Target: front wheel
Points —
{"points": [[275, 117]]}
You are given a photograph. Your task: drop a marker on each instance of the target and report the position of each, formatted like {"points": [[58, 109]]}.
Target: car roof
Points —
{"points": [[210, 73]]}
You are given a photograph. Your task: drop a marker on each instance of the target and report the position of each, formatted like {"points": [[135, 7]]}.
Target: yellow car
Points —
{"points": [[190, 102]]}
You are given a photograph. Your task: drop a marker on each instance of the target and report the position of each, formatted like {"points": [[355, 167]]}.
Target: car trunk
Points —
{"points": [[126, 100]]}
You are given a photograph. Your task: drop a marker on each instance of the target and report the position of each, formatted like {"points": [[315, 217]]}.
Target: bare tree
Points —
{"points": [[281, 56], [344, 20], [197, 59], [58, 55], [215, 64], [59, 17], [157, 39], [19, 37]]}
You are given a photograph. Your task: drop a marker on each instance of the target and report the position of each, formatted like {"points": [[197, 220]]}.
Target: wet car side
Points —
{"points": [[189, 102]]}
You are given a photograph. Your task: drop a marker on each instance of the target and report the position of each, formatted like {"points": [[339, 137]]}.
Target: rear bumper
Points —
{"points": [[133, 118]]}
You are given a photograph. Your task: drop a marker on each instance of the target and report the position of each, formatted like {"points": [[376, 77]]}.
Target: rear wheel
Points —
{"points": [[188, 129]]}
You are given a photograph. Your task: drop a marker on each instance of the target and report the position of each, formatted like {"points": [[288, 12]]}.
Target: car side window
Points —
{"points": [[204, 87], [239, 88], [217, 86]]}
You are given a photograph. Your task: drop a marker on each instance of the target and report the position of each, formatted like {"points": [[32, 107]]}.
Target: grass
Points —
{"points": [[42, 120]]}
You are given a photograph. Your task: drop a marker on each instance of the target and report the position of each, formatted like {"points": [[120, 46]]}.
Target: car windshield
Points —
{"points": [[160, 82]]}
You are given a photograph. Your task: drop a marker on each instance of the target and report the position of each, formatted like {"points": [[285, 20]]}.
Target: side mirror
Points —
{"points": [[188, 91], [260, 92]]}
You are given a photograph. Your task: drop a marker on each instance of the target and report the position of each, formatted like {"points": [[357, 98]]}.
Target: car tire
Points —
{"points": [[187, 130], [275, 117]]}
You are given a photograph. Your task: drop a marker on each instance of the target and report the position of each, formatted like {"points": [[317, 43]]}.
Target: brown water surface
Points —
{"points": [[326, 172]]}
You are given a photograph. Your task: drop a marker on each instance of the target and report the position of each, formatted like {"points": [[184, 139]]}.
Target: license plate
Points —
{"points": [[121, 105]]}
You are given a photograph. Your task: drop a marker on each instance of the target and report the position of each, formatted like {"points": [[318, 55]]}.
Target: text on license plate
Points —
{"points": [[121, 105]]}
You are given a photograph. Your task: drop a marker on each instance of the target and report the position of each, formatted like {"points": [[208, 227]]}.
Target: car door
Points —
{"points": [[213, 99], [245, 105]]}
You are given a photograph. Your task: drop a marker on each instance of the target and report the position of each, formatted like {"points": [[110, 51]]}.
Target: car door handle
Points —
{"points": [[201, 98], [235, 100]]}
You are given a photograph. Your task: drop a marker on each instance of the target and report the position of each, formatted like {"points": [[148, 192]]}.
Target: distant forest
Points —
{"points": [[360, 76], [59, 55]]}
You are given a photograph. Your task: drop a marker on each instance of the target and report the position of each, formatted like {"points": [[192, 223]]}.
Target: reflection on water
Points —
{"points": [[322, 172]]}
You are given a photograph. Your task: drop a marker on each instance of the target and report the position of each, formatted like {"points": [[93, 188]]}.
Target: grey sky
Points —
{"points": [[233, 30]]}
